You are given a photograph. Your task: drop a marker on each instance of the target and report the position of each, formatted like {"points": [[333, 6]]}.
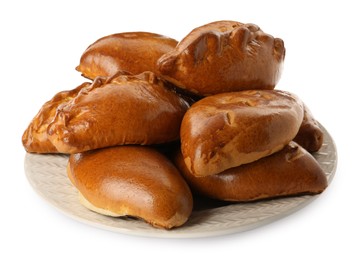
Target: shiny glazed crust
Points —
{"points": [[35, 139], [124, 109], [226, 130], [134, 52], [291, 171], [224, 56], [309, 136], [132, 180]]}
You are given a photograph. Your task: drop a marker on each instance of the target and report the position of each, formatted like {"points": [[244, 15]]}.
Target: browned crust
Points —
{"points": [[132, 180], [230, 129], [291, 171], [134, 52], [35, 139], [123, 109], [310, 135], [224, 56]]}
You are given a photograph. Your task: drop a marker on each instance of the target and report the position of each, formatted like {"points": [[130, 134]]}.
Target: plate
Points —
{"points": [[47, 175]]}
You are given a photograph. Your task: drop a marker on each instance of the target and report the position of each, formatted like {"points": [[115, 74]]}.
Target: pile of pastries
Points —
{"points": [[160, 122]]}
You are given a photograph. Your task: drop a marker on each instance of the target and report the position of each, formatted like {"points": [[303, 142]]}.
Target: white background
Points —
{"points": [[41, 43]]}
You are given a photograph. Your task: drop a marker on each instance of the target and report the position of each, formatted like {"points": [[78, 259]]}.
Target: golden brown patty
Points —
{"points": [[224, 56], [132, 180], [226, 130], [291, 171], [134, 52]]}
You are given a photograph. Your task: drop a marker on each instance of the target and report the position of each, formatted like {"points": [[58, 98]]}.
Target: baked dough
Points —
{"points": [[124, 109], [289, 172], [132, 181], [35, 139], [224, 56], [226, 130], [310, 135], [134, 52]]}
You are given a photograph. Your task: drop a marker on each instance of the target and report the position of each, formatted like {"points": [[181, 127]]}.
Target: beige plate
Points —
{"points": [[47, 175]]}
